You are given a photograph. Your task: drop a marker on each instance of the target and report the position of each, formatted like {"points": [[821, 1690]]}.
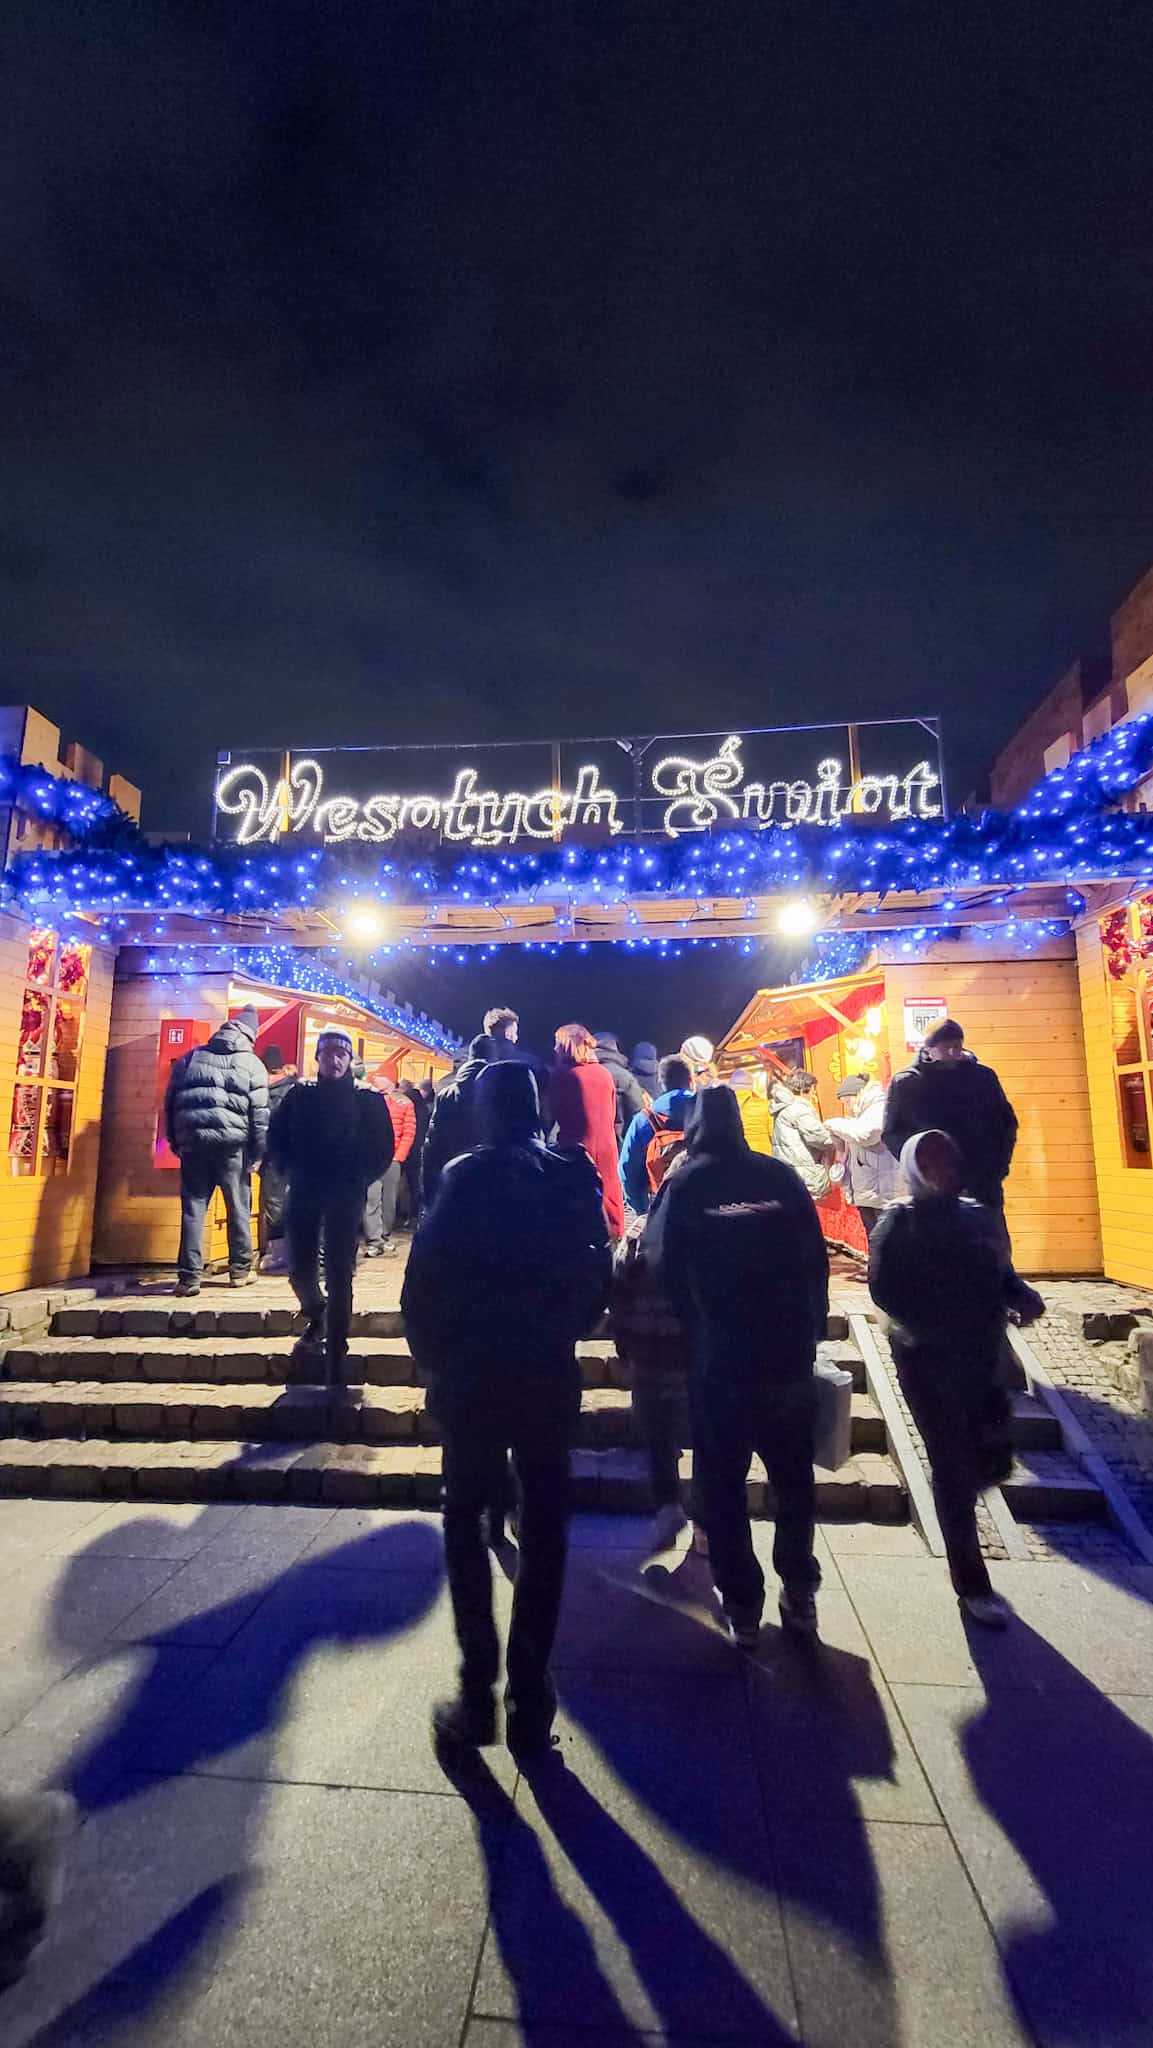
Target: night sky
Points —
{"points": [[451, 371]]}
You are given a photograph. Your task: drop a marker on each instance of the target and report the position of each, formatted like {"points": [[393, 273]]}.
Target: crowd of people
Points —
{"points": [[548, 1195]]}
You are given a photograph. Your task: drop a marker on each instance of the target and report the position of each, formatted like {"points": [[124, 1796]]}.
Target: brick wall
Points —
{"points": [[1131, 629], [1021, 765]]}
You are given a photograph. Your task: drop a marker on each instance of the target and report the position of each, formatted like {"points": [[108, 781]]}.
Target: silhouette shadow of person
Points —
{"points": [[1066, 1774], [222, 1714], [667, 1812]]}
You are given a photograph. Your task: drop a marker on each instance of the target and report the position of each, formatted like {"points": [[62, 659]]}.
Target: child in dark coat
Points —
{"points": [[939, 1268]]}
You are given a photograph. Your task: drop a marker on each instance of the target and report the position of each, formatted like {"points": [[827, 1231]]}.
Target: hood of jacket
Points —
{"points": [[674, 1104], [612, 1057], [232, 1037]]}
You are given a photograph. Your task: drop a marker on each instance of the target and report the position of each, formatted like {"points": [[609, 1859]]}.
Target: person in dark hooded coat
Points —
{"points": [[216, 1120], [645, 1066], [630, 1094], [452, 1129]]}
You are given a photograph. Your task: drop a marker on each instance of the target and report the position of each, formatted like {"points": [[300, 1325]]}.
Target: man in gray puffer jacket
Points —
{"points": [[216, 1115]]}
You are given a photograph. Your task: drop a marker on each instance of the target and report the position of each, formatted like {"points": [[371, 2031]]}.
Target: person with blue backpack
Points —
{"points": [[656, 1134]]}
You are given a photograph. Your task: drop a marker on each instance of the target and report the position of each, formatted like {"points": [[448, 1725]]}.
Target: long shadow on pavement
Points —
{"points": [[396, 1574], [685, 1745], [1067, 1776]]}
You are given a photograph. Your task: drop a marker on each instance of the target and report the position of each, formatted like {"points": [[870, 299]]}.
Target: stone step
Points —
{"points": [[1033, 1427], [211, 1360], [867, 1488], [230, 1316], [1048, 1486], [234, 1315], [392, 1413]]}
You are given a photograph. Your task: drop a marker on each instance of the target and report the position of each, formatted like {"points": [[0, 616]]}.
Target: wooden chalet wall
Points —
{"points": [[138, 1202], [1022, 1015], [46, 1223]]}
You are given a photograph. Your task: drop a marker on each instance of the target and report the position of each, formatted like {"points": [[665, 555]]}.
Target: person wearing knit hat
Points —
{"points": [[330, 1139], [216, 1121]]}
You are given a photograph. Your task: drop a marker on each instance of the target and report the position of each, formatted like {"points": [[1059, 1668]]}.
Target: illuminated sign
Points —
{"points": [[640, 787]]}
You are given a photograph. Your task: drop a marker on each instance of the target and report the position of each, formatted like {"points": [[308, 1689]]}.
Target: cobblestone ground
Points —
{"points": [[1117, 1425]]}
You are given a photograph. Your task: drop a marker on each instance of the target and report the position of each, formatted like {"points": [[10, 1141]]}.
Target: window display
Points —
{"points": [[1127, 946], [48, 1053]]}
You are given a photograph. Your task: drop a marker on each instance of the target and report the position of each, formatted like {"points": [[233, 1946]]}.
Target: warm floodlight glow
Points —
{"points": [[795, 920]]}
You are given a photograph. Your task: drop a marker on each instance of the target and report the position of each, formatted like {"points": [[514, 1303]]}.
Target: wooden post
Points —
{"points": [[854, 732]]}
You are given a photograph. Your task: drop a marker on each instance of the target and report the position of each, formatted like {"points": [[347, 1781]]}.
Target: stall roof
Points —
{"points": [[778, 1013]]}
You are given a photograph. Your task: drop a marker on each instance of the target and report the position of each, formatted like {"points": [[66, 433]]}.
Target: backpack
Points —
{"points": [[663, 1147]]}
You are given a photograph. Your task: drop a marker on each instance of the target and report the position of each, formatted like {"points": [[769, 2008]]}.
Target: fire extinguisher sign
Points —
{"points": [[922, 1015]]}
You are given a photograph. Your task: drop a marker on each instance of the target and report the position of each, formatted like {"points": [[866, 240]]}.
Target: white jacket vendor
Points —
{"points": [[872, 1175]]}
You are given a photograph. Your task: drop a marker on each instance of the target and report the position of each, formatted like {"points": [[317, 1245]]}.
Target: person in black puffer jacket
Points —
{"points": [[216, 1120], [330, 1138], [946, 1089]]}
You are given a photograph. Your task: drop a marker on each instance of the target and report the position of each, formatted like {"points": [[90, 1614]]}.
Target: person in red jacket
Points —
{"points": [[380, 1207], [583, 1101]]}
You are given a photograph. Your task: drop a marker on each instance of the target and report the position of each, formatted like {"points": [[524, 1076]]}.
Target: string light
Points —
{"points": [[1063, 833]]}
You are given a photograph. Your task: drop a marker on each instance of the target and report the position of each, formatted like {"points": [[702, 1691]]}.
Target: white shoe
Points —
{"points": [[987, 1608], [667, 1525]]}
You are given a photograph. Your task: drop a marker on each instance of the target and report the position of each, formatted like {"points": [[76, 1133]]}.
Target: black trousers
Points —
{"points": [[201, 1173], [955, 1412], [535, 1422], [661, 1414], [729, 1424], [339, 1211]]}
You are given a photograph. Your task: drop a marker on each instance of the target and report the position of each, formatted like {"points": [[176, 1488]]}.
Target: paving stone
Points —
{"points": [[144, 1322], [882, 1925], [1065, 1879], [76, 1322], [243, 1914], [635, 1893], [828, 1738]]}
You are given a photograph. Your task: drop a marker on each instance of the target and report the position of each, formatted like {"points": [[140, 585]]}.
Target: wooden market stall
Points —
{"points": [[1115, 962], [158, 1013], [1021, 1013]]}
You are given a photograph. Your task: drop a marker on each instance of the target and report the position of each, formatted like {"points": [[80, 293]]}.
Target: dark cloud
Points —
{"points": [[448, 372]]}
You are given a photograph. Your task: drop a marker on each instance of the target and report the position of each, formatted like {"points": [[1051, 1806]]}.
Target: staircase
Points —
{"points": [[134, 1395]]}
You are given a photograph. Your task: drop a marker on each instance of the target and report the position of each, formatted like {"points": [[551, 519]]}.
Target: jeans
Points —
{"points": [[730, 1422], [273, 1196], [339, 1210], [946, 1408], [662, 1420], [201, 1173], [536, 1422], [380, 1206]]}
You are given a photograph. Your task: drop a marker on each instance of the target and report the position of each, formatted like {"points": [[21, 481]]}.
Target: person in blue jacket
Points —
{"points": [[669, 1110]]}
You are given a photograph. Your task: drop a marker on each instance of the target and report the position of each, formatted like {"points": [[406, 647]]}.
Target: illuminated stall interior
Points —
{"points": [[160, 1011], [834, 1028]]}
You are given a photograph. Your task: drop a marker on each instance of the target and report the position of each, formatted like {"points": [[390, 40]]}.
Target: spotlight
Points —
{"points": [[364, 924], [796, 919]]}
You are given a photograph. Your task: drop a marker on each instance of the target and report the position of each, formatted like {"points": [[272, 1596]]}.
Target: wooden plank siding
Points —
{"points": [[138, 1202], [46, 1224], [1125, 1193], [1022, 1016]]}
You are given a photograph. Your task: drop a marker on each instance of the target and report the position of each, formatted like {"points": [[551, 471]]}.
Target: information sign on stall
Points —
{"points": [[922, 1015]]}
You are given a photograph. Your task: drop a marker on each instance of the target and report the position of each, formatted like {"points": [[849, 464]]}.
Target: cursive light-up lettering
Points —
{"points": [[699, 795]]}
